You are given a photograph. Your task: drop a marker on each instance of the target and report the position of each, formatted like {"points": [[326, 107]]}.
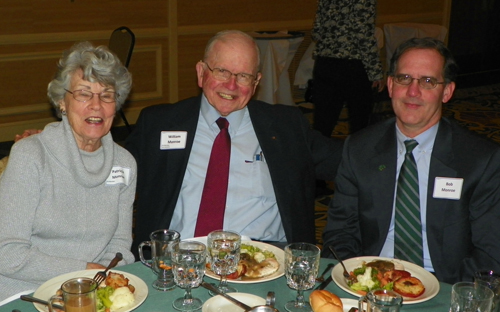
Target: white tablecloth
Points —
{"points": [[397, 33], [305, 69], [276, 53]]}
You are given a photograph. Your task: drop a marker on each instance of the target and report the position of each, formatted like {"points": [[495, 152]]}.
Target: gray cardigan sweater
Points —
{"points": [[61, 207]]}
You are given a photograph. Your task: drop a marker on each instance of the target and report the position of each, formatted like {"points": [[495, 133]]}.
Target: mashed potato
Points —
{"points": [[121, 297]]}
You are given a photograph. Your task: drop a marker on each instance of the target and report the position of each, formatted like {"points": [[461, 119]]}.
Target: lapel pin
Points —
{"points": [[381, 167]]}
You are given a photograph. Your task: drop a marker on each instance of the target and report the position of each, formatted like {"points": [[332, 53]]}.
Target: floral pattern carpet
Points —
{"points": [[477, 109]]}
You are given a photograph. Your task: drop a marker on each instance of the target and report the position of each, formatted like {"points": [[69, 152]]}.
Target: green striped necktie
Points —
{"points": [[408, 226]]}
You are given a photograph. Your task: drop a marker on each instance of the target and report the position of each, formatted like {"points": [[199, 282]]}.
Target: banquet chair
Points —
{"points": [[122, 43]]}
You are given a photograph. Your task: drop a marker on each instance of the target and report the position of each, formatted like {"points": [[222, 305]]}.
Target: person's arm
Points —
{"points": [[342, 229], [484, 219]]}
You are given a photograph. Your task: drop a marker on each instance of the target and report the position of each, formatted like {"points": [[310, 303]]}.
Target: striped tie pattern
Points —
{"points": [[408, 226]]}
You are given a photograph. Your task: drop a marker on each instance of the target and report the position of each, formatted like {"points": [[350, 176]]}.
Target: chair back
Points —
{"points": [[122, 43]]}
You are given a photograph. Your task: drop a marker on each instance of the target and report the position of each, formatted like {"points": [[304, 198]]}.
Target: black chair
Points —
{"points": [[122, 43]]}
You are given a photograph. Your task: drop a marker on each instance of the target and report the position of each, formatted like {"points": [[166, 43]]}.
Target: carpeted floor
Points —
{"points": [[475, 108]]}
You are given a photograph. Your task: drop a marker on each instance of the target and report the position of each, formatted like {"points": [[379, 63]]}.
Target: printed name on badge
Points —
{"points": [[173, 140], [118, 175], [448, 188]]}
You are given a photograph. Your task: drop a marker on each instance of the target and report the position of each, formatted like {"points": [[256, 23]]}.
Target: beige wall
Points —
{"points": [[170, 38]]}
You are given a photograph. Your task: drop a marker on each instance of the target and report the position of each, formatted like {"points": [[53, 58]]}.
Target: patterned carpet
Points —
{"points": [[477, 109]]}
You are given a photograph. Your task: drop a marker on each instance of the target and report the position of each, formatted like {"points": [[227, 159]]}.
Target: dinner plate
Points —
{"points": [[49, 288], [430, 282], [348, 303], [221, 304], [280, 257]]}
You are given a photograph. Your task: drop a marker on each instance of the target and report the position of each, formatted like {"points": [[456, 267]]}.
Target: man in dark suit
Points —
{"points": [[458, 174], [275, 156]]}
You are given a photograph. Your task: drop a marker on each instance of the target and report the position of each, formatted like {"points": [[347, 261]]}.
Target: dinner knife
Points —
{"points": [[324, 284], [37, 300], [233, 300]]}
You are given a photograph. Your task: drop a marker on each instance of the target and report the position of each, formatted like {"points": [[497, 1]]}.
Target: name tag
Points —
{"points": [[118, 175], [173, 140], [448, 188]]}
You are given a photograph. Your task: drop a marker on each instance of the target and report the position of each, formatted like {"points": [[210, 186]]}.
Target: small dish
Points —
{"points": [[221, 304]]}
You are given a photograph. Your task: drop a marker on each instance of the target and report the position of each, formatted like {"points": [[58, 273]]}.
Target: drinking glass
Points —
{"points": [[381, 300], [160, 263], [188, 266], [301, 269], [224, 255], [492, 280], [78, 295], [470, 297]]}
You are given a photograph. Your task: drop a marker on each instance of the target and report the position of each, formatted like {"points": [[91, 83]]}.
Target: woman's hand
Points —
{"points": [[26, 134], [92, 265]]}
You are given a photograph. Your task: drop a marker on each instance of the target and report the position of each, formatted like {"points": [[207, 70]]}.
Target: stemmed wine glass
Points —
{"points": [[188, 265], [301, 269], [224, 255]]}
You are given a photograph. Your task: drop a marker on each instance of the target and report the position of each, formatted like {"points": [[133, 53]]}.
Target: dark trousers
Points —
{"points": [[337, 81]]}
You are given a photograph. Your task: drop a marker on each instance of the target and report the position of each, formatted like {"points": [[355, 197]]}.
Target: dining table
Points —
{"points": [[157, 301]]}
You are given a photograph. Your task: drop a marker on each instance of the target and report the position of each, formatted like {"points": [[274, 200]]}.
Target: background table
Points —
{"points": [[277, 50], [162, 301]]}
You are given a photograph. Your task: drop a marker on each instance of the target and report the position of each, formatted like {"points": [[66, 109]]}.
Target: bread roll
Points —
{"points": [[325, 301]]}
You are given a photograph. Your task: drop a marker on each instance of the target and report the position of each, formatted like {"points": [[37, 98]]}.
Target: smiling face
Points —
{"points": [[236, 54], [419, 109], [90, 120]]}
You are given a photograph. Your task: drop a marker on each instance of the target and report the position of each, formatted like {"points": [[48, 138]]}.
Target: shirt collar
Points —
{"points": [[210, 114], [425, 140]]}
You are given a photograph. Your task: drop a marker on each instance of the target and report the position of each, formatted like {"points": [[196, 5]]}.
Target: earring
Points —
{"points": [[63, 112]]}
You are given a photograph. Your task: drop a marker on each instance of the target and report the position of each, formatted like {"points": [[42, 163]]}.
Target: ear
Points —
{"points": [[256, 83], [390, 83], [62, 105], [448, 91], [200, 69]]}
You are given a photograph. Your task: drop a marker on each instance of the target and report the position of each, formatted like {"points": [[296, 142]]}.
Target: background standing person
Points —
{"points": [[66, 194], [347, 64]]}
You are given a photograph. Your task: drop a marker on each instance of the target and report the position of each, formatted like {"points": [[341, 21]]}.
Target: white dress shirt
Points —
{"points": [[422, 154], [251, 207]]}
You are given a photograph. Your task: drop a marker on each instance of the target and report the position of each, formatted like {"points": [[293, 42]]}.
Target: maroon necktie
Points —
{"points": [[213, 199]]}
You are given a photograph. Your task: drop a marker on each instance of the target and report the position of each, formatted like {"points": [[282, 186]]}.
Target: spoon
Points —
{"points": [[37, 300], [345, 273], [321, 278]]}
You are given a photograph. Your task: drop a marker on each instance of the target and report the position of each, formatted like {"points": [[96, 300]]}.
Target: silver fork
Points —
{"points": [[101, 275]]}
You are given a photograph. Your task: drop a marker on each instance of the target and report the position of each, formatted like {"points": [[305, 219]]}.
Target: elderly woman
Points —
{"points": [[66, 195]]}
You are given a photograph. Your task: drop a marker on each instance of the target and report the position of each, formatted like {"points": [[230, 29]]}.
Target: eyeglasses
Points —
{"points": [[84, 95], [224, 75], [424, 82]]}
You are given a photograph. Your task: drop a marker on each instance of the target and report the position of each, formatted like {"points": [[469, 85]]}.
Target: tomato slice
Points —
{"points": [[409, 287]]}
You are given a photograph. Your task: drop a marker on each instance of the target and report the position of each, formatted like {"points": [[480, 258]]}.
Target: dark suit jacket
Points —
{"points": [[295, 154], [462, 234]]}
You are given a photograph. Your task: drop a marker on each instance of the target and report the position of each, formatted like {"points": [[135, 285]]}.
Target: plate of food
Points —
{"points": [[117, 279], [221, 304], [413, 282], [259, 262]]}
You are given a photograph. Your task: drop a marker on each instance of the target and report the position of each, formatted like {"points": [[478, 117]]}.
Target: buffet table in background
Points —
{"points": [[162, 301], [277, 50]]}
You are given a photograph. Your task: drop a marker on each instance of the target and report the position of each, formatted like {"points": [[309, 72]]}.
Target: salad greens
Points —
{"points": [[256, 253], [103, 301], [367, 279]]}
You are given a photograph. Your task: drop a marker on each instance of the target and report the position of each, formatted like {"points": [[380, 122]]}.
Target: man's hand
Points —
{"points": [[26, 134], [378, 85]]}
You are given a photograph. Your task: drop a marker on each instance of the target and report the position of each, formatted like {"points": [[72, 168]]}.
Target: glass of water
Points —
{"points": [[301, 269], [188, 266], [224, 255]]}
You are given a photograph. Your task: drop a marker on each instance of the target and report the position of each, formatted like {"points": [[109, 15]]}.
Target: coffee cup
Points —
{"points": [[78, 295]]}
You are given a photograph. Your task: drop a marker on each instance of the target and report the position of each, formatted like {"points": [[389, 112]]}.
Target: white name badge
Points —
{"points": [[118, 175], [448, 188], [173, 140]]}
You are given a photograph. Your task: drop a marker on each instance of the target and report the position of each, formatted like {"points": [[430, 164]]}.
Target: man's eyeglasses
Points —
{"points": [[224, 75], [424, 82], [84, 95]]}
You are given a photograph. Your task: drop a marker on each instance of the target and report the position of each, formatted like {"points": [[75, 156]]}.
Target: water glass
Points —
{"points": [[160, 263], [301, 269], [188, 266], [470, 297], [492, 280], [381, 300], [224, 256]]}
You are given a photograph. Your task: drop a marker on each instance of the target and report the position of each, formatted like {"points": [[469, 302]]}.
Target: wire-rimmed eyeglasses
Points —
{"points": [[424, 82], [85, 95], [224, 75]]}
